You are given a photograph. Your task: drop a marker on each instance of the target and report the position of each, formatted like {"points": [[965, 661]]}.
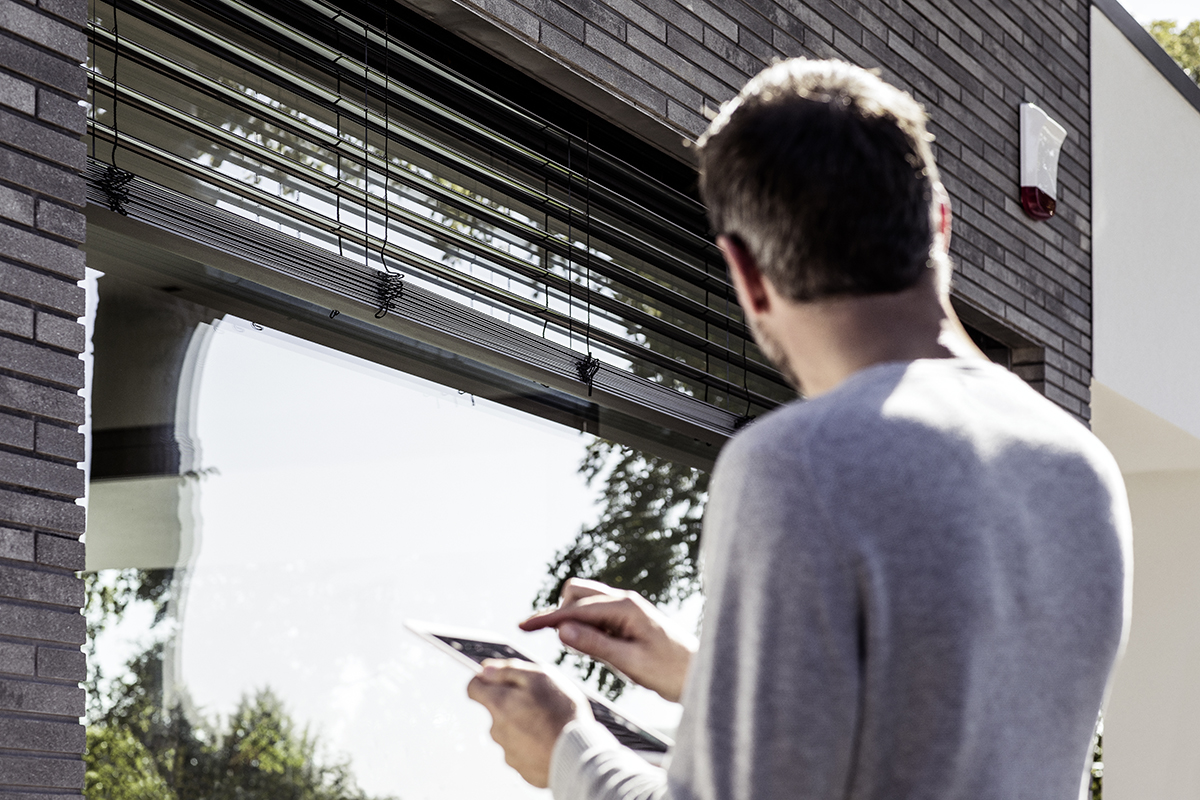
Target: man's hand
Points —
{"points": [[529, 709], [623, 630]]}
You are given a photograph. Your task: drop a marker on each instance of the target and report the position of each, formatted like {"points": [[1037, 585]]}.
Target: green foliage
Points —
{"points": [[106, 599], [1183, 45], [119, 767], [1096, 785], [141, 746], [647, 539], [259, 756]]}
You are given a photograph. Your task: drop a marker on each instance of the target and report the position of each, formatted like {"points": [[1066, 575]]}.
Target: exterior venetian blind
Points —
{"points": [[341, 146]]}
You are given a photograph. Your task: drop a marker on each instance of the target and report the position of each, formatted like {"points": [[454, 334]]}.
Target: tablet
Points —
{"points": [[472, 648]]}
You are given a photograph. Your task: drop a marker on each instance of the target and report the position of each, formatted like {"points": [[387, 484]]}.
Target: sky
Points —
{"points": [[1146, 10]]}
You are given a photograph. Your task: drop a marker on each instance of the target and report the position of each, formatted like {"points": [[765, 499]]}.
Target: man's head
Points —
{"points": [[824, 174]]}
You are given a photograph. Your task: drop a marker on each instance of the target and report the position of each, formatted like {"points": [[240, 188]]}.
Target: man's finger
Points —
{"points": [[577, 588], [596, 643], [507, 671], [484, 693], [600, 611], [573, 591]]}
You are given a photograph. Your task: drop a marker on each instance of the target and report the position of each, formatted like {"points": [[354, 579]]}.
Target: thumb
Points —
{"points": [[594, 642]]}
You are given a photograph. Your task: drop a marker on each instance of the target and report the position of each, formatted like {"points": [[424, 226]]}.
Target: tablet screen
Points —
{"points": [[476, 649]]}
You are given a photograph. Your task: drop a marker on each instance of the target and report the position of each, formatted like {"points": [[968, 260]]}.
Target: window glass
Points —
{"points": [[330, 500]]}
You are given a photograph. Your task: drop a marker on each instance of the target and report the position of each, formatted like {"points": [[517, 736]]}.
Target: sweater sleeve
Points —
{"points": [[772, 695], [589, 764]]}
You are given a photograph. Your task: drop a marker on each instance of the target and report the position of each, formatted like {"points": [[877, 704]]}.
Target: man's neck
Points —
{"points": [[827, 341]]}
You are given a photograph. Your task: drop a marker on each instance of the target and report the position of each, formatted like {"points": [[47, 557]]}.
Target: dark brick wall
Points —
{"points": [[41, 228], [970, 63]]}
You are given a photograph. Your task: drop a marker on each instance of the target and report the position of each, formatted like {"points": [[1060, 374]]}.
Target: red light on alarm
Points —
{"points": [[1037, 203], [1041, 142]]}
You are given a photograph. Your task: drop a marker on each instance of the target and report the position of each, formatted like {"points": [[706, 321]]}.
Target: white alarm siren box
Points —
{"points": [[1041, 142]]}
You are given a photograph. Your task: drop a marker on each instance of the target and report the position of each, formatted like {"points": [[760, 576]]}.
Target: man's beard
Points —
{"points": [[775, 353]]}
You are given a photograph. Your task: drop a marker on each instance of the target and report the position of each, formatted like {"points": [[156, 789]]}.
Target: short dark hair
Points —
{"points": [[824, 173]]}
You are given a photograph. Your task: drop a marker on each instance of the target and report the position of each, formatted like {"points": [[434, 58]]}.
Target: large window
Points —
{"points": [[333, 500], [367, 300]]}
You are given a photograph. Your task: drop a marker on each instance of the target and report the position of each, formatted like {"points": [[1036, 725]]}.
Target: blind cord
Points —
{"points": [[115, 181], [589, 365], [391, 282]]}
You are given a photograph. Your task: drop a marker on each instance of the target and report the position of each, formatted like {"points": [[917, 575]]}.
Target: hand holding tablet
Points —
{"points": [[472, 648]]}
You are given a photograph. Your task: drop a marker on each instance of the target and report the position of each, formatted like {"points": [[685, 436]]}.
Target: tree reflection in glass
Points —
{"points": [[147, 743], [647, 539]]}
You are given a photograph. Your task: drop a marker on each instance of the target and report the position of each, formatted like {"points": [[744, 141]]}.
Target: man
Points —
{"points": [[917, 580]]}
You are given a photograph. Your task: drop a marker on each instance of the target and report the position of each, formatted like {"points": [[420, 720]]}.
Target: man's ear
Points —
{"points": [[748, 279], [941, 215]]}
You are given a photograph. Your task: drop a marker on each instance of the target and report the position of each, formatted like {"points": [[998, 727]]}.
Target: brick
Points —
{"points": [[15, 319], [40, 140], [599, 15], [926, 69], [43, 623], [47, 736], [750, 24], [759, 48], [53, 440], [641, 16], [731, 53], [682, 19], [62, 221], [803, 12], [43, 698], [60, 551], [38, 176], [65, 112], [18, 508], [73, 11], [46, 68], [50, 33], [670, 58], [562, 18], [52, 256], [44, 401], [18, 94], [39, 362], [16, 206], [57, 773], [69, 665], [685, 118], [44, 290], [648, 69], [53, 588], [46, 476], [1030, 372], [17, 545], [605, 71], [511, 16], [786, 45], [17, 659], [69, 334], [16, 431], [714, 17]]}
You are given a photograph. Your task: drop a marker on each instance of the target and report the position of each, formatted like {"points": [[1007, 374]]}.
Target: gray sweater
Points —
{"points": [[917, 585]]}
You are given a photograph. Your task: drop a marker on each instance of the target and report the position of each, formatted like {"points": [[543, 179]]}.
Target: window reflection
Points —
{"points": [[326, 500]]}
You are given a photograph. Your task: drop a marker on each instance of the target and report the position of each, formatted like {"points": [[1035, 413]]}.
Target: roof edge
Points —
{"points": [[1150, 49]]}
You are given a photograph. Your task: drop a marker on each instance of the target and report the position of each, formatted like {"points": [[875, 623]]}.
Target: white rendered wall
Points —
{"points": [[1146, 404], [1146, 232]]}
